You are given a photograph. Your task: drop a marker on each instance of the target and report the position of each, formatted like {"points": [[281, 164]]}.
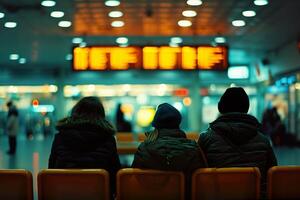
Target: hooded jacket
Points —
{"points": [[85, 144], [235, 140]]}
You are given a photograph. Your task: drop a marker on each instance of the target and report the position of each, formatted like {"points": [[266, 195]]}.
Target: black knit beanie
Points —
{"points": [[166, 116], [234, 99]]}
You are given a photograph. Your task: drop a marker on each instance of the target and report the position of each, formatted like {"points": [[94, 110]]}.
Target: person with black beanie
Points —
{"points": [[167, 148], [234, 139]]}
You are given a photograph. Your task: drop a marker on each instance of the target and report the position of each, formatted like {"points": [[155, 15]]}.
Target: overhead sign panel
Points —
{"points": [[150, 58]]}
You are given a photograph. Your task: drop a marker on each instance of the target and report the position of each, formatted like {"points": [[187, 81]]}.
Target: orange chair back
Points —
{"points": [[59, 184], [137, 184], [226, 184], [125, 137], [141, 137], [192, 136], [284, 183], [16, 185]]}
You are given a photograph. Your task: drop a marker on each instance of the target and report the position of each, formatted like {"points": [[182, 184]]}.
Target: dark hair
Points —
{"points": [[9, 103], [88, 108]]}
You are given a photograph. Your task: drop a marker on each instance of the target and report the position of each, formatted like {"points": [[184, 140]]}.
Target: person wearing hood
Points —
{"points": [[85, 140], [235, 139], [167, 148]]}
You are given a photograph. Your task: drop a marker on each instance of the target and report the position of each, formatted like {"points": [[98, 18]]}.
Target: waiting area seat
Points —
{"points": [[141, 137], [16, 185], [226, 184], [192, 135], [284, 183], [125, 137], [137, 184], [59, 184]]}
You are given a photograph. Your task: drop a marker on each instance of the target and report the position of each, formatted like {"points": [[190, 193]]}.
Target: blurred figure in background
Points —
{"points": [[167, 148], [122, 124], [86, 140], [234, 138], [12, 127]]}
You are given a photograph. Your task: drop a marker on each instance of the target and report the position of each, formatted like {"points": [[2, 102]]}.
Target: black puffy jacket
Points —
{"points": [[85, 144], [235, 140], [171, 151]]}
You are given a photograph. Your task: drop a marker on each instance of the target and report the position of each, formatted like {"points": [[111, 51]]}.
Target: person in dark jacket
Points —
{"points": [[167, 148], [86, 140], [234, 139]]}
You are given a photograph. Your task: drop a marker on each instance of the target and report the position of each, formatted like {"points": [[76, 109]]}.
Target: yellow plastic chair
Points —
{"points": [[284, 183], [226, 184], [60, 184], [138, 184], [16, 185]]}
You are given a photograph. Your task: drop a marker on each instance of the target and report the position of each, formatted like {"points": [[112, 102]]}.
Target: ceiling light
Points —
{"points": [[184, 23], [261, 2], [1, 15], [122, 40], [69, 57], [112, 3], [10, 24], [117, 24], [13, 56], [115, 14], [189, 13], [249, 13], [194, 2], [22, 60], [77, 40], [48, 3], [171, 44], [176, 40], [57, 14], [238, 23], [64, 24], [220, 40], [82, 44]]}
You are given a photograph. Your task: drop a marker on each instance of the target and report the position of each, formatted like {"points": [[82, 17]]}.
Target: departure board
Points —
{"points": [[150, 58]]}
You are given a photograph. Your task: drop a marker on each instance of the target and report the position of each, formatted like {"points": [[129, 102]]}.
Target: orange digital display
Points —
{"points": [[150, 58]]}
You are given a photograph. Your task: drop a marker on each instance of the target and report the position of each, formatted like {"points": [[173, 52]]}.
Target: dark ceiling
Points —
{"points": [[45, 45]]}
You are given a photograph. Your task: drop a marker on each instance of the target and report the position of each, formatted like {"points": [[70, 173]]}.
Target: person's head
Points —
{"points": [[167, 117], [234, 99], [9, 104], [88, 108]]}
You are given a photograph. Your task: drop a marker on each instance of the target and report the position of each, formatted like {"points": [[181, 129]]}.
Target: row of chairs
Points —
{"points": [[137, 184], [140, 137]]}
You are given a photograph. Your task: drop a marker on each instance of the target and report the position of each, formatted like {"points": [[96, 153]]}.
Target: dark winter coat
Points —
{"points": [[235, 140], [85, 144], [171, 151]]}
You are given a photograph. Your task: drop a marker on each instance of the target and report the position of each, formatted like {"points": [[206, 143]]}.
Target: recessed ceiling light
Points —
{"points": [[249, 13], [122, 40], [115, 14], [64, 24], [82, 44], [117, 24], [77, 40], [238, 23], [14, 56], [220, 40], [2, 15], [48, 3], [184, 23], [176, 40], [22, 60], [261, 2], [57, 14], [69, 57], [189, 13], [10, 24], [112, 3], [194, 2]]}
